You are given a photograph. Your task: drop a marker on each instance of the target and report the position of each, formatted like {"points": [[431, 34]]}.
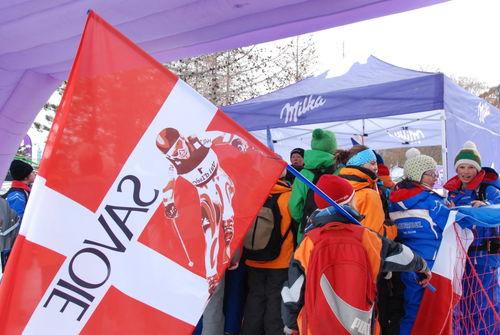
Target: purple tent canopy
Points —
{"points": [[39, 38], [392, 106]]}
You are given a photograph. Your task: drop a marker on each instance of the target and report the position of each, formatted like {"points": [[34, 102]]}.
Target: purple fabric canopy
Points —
{"points": [[393, 101], [39, 38]]}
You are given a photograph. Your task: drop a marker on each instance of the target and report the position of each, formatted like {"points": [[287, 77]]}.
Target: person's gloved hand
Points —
{"points": [[288, 331], [450, 204], [477, 203], [424, 276], [171, 211]]}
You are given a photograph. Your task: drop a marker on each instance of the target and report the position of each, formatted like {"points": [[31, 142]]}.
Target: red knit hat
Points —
{"points": [[338, 189]]}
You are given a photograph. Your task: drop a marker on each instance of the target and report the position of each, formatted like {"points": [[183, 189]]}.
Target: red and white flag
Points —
{"points": [[144, 192], [435, 312]]}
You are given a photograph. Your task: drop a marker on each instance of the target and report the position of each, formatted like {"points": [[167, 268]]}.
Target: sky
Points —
{"points": [[460, 38]]}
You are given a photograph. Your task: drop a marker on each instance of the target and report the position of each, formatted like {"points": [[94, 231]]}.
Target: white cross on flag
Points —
{"points": [[144, 193]]}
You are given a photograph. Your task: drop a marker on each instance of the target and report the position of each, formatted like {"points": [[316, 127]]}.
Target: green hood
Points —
{"points": [[314, 159]]}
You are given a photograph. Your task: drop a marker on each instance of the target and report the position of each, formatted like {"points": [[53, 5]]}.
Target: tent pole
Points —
{"points": [[363, 134], [444, 149], [269, 136]]}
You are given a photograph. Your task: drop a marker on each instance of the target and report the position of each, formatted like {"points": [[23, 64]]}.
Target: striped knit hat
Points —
{"points": [[416, 164], [468, 155]]}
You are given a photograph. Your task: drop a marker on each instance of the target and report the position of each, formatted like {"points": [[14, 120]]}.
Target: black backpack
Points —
{"points": [[481, 193], [310, 204], [263, 240]]}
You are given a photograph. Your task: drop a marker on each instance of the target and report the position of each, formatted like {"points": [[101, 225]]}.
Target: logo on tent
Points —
{"points": [[483, 111], [291, 113], [408, 136]]}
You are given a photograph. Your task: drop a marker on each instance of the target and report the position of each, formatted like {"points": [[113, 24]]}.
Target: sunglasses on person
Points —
{"points": [[431, 174]]}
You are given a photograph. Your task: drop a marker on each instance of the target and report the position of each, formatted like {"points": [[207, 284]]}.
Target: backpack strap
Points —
{"points": [[481, 193], [277, 214], [11, 228], [318, 172], [287, 232]]}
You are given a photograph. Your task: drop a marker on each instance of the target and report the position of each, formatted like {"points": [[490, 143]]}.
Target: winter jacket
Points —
{"points": [[385, 255], [464, 196], [368, 202], [17, 197], [420, 215], [313, 159], [283, 260], [316, 163], [485, 238]]}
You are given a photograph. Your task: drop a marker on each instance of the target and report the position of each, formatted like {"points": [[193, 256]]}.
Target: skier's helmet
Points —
{"points": [[166, 138]]}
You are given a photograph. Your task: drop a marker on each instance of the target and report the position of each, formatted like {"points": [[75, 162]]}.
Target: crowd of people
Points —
{"points": [[359, 265], [365, 272]]}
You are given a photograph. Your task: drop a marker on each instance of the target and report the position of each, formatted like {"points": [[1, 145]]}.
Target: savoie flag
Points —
{"points": [[143, 195]]}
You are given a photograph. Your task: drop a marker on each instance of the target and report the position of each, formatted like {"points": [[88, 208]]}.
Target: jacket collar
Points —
{"points": [[455, 184], [21, 185], [407, 189], [359, 177]]}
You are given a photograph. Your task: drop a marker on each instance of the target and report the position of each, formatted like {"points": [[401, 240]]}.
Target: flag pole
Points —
{"points": [[313, 187], [339, 208]]}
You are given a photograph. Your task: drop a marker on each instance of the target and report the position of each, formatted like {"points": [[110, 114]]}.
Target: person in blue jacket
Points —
{"points": [[23, 176], [478, 186], [420, 215]]}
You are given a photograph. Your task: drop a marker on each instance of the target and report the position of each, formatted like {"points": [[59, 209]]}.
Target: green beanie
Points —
{"points": [[323, 140]]}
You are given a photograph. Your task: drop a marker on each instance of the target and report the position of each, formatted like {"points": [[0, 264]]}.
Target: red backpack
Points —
{"points": [[340, 291]]}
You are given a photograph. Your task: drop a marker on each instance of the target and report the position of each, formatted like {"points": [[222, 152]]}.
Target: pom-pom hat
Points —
{"points": [[337, 188], [468, 155], [416, 164], [323, 140]]}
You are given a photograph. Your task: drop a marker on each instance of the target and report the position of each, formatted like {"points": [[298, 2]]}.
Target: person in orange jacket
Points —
{"points": [[324, 299], [265, 278], [360, 170]]}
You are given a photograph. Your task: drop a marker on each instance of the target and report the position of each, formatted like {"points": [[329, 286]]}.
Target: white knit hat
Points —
{"points": [[468, 155], [416, 164]]}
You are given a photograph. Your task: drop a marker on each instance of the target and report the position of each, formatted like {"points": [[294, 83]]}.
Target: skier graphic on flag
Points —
{"points": [[193, 159]]}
